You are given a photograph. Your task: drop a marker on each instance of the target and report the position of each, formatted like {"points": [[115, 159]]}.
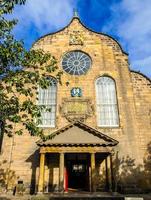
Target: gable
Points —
{"points": [[78, 134], [77, 25]]}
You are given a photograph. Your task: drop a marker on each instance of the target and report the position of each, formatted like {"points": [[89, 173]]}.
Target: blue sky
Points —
{"points": [[128, 21]]}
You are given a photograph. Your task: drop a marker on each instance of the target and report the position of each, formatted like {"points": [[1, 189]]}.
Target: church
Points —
{"points": [[101, 111]]}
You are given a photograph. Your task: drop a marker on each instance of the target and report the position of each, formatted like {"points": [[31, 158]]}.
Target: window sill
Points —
{"points": [[46, 126], [109, 127]]}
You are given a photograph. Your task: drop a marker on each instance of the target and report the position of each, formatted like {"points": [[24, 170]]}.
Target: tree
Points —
{"points": [[21, 71], [147, 167]]}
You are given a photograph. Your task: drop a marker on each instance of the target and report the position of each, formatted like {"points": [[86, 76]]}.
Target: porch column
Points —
{"points": [[108, 173], [115, 159], [93, 186], [41, 173], [112, 175], [61, 172]]}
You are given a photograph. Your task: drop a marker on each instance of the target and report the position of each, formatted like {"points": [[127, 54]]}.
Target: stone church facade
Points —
{"points": [[102, 109]]}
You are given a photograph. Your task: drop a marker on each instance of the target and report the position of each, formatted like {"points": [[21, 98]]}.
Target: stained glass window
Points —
{"points": [[107, 110], [47, 97], [76, 62]]}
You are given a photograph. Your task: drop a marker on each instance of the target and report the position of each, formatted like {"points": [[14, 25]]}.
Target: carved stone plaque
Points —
{"points": [[76, 109], [76, 38]]}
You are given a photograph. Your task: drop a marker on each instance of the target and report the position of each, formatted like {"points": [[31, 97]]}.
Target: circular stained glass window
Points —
{"points": [[76, 62]]}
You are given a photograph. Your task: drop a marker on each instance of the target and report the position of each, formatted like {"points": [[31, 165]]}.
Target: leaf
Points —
{"points": [[19, 132], [21, 72]]}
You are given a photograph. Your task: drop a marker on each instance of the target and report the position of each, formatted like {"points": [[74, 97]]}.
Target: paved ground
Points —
{"points": [[71, 196]]}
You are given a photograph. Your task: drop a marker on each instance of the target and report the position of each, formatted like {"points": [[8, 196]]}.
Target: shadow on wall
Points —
{"points": [[132, 178], [127, 176], [34, 160], [9, 180]]}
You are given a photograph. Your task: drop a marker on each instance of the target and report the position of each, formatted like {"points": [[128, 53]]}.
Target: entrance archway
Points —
{"points": [[77, 171]]}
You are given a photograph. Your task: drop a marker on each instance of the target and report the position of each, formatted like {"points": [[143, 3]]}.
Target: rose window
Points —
{"points": [[76, 62]]}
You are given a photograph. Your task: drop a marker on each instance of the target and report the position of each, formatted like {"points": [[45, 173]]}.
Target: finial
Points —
{"points": [[75, 13]]}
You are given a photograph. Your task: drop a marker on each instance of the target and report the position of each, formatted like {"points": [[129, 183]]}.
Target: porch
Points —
{"points": [[76, 158]]}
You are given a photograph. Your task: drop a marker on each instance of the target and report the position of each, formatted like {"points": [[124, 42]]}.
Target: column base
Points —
{"points": [[40, 193]]}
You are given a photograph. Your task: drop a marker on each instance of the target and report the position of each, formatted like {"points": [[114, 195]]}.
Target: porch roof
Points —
{"points": [[77, 134]]}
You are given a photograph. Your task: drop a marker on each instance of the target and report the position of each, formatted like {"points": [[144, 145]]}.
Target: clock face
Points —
{"points": [[76, 92], [76, 63]]}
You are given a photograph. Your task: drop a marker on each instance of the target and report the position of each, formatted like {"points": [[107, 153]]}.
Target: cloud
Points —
{"points": [[38, 17], [131, 22], [143, 65]]}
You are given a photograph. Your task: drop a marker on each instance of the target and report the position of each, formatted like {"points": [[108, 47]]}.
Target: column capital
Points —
{"points": [[42, 153], [92, 152], [62, 152]]}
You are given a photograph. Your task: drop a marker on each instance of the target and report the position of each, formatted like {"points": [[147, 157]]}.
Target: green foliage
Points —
{"points": [[21, 71], [7, 6], [147, 161], [6, 176]]}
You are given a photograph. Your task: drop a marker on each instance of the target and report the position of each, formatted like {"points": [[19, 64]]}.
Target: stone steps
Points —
{"points": [[84, 198], [73, 197]]}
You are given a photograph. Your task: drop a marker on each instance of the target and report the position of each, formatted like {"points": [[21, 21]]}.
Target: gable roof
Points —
{"points": [[89, 29], [79, 134]]}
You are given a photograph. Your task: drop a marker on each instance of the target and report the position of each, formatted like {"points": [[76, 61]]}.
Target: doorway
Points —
{"points": [[77, 169]]}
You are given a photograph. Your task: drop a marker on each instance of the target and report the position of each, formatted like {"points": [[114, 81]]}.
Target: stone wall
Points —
{"points": [[133, 96], [142, 99]]}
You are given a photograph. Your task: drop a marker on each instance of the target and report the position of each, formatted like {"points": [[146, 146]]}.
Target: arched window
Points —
{"points": [[107, 111], [47, 98]]}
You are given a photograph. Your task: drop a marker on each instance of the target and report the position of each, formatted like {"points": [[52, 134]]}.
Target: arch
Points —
{"points": [[106, 101], [48, 97]]}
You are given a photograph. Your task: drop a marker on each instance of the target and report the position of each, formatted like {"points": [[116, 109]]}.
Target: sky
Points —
{"points": [[128, 21]]}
